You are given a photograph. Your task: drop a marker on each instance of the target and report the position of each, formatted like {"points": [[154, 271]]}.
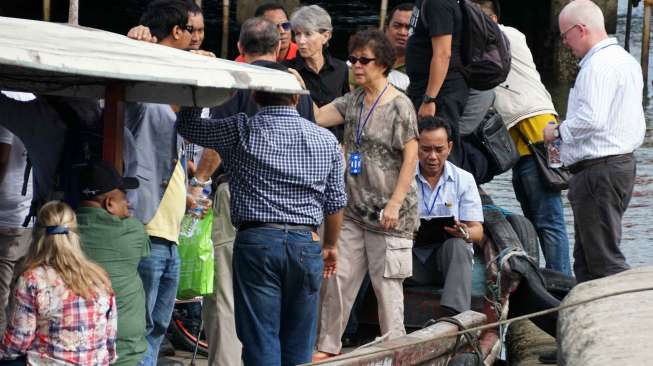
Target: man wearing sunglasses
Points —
{"points": [[277, 14], [604, 124]]}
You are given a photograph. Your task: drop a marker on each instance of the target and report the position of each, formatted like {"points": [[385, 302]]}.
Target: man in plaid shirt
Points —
{"points": [[286, 179]]}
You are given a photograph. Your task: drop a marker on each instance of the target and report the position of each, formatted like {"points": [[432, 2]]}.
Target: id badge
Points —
{"points": [[355, 166]]}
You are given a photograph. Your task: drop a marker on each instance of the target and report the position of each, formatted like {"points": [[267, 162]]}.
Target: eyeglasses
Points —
{"points": [[189, 28], [285, 26], [563, 35], [363, 60]]}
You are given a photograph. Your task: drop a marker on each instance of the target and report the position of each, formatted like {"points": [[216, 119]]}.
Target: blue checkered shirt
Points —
{"points": [[283, 168]]}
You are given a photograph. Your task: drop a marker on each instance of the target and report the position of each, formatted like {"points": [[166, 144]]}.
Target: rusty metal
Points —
{"points": [[430, 346]]}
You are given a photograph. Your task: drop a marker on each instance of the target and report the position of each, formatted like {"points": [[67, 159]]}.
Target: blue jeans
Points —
{"points": [[160, 275], [543, 207], [277, 278]]}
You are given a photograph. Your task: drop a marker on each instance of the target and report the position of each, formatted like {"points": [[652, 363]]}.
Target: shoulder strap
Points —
{"points": [[26, 173]]}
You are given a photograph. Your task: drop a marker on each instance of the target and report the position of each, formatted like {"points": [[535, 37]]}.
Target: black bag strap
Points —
{"points": [[26, 173]]}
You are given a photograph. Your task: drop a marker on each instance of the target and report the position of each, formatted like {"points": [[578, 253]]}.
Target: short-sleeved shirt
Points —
{"points": [[118, 245], [14, 206], [456, 194], [387, 131], [441, 17]]}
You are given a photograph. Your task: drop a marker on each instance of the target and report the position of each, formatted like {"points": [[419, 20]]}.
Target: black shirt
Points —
{"points": [[442, 17], [242, 102], [331, 82]]}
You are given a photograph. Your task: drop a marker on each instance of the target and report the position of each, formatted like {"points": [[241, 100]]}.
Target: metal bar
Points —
{"points": [[73, 12], [384, 12], [646, 37], [114, 115], [225, 28], [629, 19]]}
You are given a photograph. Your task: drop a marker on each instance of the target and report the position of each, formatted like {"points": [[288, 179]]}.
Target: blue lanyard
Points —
{"points": [[425, 201], [360, 127]]}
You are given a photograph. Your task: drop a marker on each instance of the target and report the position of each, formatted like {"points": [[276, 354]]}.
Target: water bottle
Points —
{"points": [[553, 151], [189, 223]]}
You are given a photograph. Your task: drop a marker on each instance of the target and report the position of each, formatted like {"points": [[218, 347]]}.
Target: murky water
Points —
{"points": [[638, 226]]}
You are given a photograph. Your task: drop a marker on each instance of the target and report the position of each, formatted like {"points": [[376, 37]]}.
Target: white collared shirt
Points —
{"points": [[604, 113], [455, 195]]}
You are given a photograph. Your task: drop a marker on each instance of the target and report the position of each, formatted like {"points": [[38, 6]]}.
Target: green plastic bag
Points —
{"points": [[196, 255]]}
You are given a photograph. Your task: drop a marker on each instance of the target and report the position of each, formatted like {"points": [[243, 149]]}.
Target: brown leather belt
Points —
{"points": [[584, 164]]}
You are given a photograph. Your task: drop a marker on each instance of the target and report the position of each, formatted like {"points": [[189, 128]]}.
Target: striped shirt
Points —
{"points": [[604, 114], [283, 168]]}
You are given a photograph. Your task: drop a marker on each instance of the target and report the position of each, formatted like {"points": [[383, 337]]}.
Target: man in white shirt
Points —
{"points": [[443, 256], [15, 200], [604, 124]]}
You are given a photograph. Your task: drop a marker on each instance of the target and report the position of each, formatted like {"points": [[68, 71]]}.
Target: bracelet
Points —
{"points": [[196, 183]]}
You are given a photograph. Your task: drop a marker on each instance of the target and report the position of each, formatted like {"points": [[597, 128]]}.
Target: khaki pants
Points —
{"points": [[218, 308], [388, 260], [14, 244]]}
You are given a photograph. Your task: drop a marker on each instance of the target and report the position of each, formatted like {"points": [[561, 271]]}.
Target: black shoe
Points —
{"points": [[166, 349], [549, 357], [350, 341]]}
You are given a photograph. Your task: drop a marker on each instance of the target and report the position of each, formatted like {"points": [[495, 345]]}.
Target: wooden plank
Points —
{"points": [[114, 114], [428, 346]]}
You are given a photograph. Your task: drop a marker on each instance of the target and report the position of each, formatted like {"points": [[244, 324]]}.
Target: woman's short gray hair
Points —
{"points": [[311, 18]]}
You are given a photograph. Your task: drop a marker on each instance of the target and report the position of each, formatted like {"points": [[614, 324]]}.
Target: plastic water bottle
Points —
{"points": [[553, 151], [189, 223]]}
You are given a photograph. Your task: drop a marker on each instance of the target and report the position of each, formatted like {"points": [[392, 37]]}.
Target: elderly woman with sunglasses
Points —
{"points": [[326, 77], [380, 144]]}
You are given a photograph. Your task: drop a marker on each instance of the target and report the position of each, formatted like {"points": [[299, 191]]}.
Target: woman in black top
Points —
{"points": [[326, 77]]}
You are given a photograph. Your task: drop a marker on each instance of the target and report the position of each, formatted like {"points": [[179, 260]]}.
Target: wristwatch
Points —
{"points": [[428, 99], [556, 132], [196, 183]]}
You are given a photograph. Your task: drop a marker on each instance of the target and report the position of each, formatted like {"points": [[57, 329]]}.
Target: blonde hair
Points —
{"points": [[63, 252]]}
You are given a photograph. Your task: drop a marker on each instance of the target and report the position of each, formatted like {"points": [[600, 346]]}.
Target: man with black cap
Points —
{"points": [[117, 242]]}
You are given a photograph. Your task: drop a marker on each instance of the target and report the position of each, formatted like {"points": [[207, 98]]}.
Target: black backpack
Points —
{"points": [[485, 49]]}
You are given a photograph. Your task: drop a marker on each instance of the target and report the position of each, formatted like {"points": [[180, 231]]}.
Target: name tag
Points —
{"points": [[355, 163]]}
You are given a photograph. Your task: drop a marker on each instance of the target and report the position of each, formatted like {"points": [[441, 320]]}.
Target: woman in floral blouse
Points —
{"points": [[65, 310]]}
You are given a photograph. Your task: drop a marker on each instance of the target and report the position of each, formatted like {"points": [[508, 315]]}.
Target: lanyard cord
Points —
{"points": [[359, 127], [425, 201]]}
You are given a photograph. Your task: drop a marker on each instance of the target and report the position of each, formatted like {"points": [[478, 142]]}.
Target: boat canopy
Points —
{"points": [[60, 59]]}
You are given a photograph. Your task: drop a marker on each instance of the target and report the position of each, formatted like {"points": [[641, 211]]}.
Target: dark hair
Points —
{"points": [[400, 7], [267, 99], [434, 123], [265, 7], [193, 7], [161, 16], [378, 43], [491, 6], [258, 36]]}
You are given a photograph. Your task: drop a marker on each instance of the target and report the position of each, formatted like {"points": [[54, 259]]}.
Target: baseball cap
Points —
{"points": [[101, 177]]}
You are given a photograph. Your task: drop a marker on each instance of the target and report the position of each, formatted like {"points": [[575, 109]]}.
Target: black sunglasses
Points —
{"points": [[363, 60], [285, 26], [189, 28]]}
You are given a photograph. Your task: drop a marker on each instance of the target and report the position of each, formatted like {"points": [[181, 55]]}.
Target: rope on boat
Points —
{"points": [[499, 323]]}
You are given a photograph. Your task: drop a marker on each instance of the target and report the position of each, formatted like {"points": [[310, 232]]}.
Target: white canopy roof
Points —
{"points": [[50, 58]]}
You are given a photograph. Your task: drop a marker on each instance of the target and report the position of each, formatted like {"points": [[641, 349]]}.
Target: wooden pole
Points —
{"points": [[73, 12], [46, 10], [199, 3], [629, 20], [384, 12], [646, 37], [114, 115], [225, 28]]}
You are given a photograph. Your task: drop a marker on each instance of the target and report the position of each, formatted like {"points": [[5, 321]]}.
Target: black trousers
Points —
{"points": [[450, 103], [599, 194]]}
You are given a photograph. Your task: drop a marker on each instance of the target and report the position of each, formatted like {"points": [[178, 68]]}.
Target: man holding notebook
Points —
{"points": [[451, 219]]}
